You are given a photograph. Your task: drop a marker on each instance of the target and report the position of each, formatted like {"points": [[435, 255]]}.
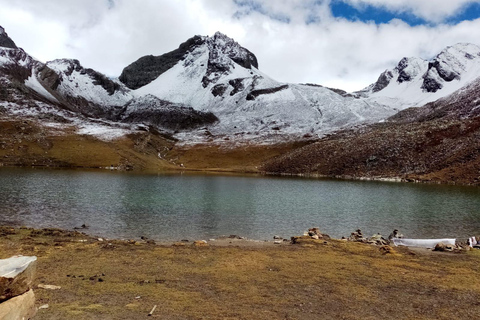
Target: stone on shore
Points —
{"points": [[16, 276], [306, 240], [200, 243], [19, 307], [443, 247]]}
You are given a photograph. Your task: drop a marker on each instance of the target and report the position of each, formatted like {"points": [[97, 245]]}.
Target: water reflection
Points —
{"points": [[172, 207]]}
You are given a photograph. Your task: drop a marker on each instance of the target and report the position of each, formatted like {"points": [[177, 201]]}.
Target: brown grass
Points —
{"points": [[336, 280], [225, 157], [27, 143]]}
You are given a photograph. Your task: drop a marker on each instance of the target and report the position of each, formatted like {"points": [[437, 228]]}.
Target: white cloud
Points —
{"points": [[333, 52]]}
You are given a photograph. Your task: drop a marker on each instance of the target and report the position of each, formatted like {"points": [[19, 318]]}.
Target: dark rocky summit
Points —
{"points": [[148, 68], [5, 40]]}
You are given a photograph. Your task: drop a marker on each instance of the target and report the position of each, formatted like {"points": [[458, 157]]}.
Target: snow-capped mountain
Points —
{"points": [[415, 82], [215, 85], [216, 74], [66, 91]]}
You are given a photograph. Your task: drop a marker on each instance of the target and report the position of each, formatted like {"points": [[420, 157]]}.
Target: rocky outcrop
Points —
{"points": [[222, 53], [255, 93], [449, 65], [5, 40], [150, 110], [148, 68]]}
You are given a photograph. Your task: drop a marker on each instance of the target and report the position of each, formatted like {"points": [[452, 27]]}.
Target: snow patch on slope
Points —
{"points": [[33, 83], [102, 131], [76, 82]]}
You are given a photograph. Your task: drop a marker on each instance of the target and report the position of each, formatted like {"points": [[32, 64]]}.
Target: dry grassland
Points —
{"points": [[336, 280]]}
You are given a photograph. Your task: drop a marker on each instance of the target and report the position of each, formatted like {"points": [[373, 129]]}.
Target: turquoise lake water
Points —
{"points": [[193, 206]]}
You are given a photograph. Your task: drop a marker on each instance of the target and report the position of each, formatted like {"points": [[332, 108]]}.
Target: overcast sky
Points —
{"points": [[339, 43]]}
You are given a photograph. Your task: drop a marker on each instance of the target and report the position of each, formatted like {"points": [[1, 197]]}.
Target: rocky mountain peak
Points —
{"points": [[221, 46], [449, 65], [148, 68], [457, 62], [5, 40], [223, 53]]}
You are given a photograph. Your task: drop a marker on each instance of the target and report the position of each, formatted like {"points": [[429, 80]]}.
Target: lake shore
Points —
{"points": [[331, 279]]}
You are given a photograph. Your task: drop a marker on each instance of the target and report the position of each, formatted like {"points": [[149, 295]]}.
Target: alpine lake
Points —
{"points": [[171, 207]]}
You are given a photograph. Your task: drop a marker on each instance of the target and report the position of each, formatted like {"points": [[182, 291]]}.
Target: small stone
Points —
{"points": [[200, 243], [49, 286], [100, 239], [315, 236], [178, 244], [277, 242], [277, 237], [440, 247], [45, 306]]}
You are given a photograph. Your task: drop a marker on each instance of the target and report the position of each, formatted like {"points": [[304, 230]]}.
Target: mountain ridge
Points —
{"points": [[210, 93]]}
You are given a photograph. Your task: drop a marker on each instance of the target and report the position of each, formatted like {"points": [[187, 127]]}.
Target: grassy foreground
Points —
{"points": [[316, 280]]}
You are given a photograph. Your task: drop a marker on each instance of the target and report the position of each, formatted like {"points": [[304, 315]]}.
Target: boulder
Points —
{"points": [[200, 243], [16, 276], [440, 247], [19, 307], [305, 240], [357, 236], [314, 232]]}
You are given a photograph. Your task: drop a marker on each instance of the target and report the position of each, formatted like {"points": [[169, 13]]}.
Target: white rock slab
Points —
{"points": [[16, 276], [422, 243]]}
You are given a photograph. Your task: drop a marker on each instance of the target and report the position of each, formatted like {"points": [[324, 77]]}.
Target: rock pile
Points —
{"points": [[17, 300], [376, 239], [312, 234]]}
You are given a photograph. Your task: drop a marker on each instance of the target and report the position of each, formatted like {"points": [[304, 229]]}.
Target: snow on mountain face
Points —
{"points": [[79, 82], [219, 76], [415, 82]]}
